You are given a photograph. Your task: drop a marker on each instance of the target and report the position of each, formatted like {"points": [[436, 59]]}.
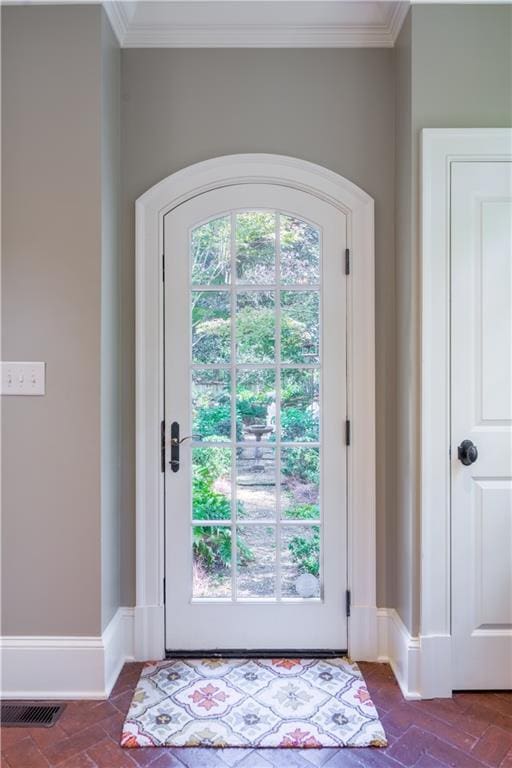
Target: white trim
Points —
{"points": [[136, 34], [118, 644], [119, 20], [398, 16], [401, 651], [440, 147], [150, 209], [66, 667], [258, 36]]}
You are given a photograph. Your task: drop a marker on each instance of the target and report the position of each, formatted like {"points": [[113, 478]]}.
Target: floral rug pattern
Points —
{"points": [[252, 703]]}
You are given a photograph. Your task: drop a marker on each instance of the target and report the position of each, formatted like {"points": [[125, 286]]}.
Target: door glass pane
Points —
{"points": [[256, 558], [211, 327], [256, 481], [300, 409], [300, 483], [211, 404], [255, 327], [255, 404], [211, 561], [211, 252], [255, 247], [256, 366], [300, 561], [300, 251], [300, 332], [211, 483]]}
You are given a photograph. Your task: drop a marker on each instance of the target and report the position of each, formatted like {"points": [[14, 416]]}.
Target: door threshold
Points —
{"points": [[258, 653]]}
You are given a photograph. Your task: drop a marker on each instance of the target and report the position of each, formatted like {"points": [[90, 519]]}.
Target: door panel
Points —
{"points": [[482, 412], [255, 334]]}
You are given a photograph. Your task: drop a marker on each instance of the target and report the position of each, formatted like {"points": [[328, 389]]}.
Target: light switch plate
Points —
{"points": [[23, 378]]}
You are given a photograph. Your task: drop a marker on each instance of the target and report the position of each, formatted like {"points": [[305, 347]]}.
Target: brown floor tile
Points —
{"points": [[507, 761], [471, 730], [79, 761], [67, 748], [167, 761], [198, 758], [11, 736], [113, 726], [414, 743], [45, 737], [25, 754], [355, 758], [148, 755], [402, 717], [493, 747], [427, 761], [318, 757], [448, 755], [77, 720], [386, 696], [255, 759], [123, 701], [476, 719], [107, 754], [500, 701]]}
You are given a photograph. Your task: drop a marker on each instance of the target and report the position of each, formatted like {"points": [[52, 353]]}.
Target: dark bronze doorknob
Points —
{"points": [[467, 452]]}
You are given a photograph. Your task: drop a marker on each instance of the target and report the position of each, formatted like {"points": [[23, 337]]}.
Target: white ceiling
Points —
{"points": [[256, 23]]}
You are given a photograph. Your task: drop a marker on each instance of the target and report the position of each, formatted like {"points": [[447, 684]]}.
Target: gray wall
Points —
{"points": [[332, 107], [461, 77], [56, 209], [110, 322], [68, 297], [406, 469]]}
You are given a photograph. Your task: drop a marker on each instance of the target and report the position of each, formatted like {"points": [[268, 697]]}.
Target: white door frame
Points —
{"points": [[440, 148], [150, 210]]}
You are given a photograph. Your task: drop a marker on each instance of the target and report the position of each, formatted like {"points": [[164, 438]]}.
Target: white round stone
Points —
{"points": [[307, 585]]}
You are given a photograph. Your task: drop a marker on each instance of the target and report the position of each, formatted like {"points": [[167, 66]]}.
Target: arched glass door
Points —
{"points": [[255, 406]]}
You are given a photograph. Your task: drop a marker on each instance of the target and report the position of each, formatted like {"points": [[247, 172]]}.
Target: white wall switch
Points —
{"points": [[23, 378]]}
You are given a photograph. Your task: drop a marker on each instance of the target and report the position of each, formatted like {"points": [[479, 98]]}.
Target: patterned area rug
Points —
{"points": [[252, 703]]}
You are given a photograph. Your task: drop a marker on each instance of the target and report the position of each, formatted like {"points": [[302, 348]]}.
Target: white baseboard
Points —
{"points": [[149, 633], [118, 645], [362, 633], [66, 667], [401, 650], [436, 666]]}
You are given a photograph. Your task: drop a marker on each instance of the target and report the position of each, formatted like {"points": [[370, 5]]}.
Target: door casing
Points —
{"points": [[440, 148], [150, 211]]}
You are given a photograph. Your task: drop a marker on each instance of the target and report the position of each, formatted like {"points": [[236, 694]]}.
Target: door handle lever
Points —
{"points": [[175, 445], [176, 441]]}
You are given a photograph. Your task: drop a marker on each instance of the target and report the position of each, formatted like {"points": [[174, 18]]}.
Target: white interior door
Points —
{"points": [[481, 406], [255, 373]]}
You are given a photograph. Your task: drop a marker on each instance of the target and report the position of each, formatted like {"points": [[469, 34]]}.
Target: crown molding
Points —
{"points": [[397, 19], [260, 36], [118, 18], [133, 34]]}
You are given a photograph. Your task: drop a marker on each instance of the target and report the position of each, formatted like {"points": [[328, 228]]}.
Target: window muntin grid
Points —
{"points": [[284, 285]]}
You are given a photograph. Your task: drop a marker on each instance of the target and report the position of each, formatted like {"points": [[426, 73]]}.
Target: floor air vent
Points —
{"points": [[36, 715]]}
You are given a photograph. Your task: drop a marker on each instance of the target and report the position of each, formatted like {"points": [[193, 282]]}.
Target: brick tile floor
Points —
{"points": [[469, 731]]}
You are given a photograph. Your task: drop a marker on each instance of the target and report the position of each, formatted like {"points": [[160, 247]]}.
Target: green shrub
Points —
{"points": [[213, 421], [212, 544], [304, 512], [252, 406], [306, 552], [208, 503], [302, 464], [298, 424], [212, 463]]}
